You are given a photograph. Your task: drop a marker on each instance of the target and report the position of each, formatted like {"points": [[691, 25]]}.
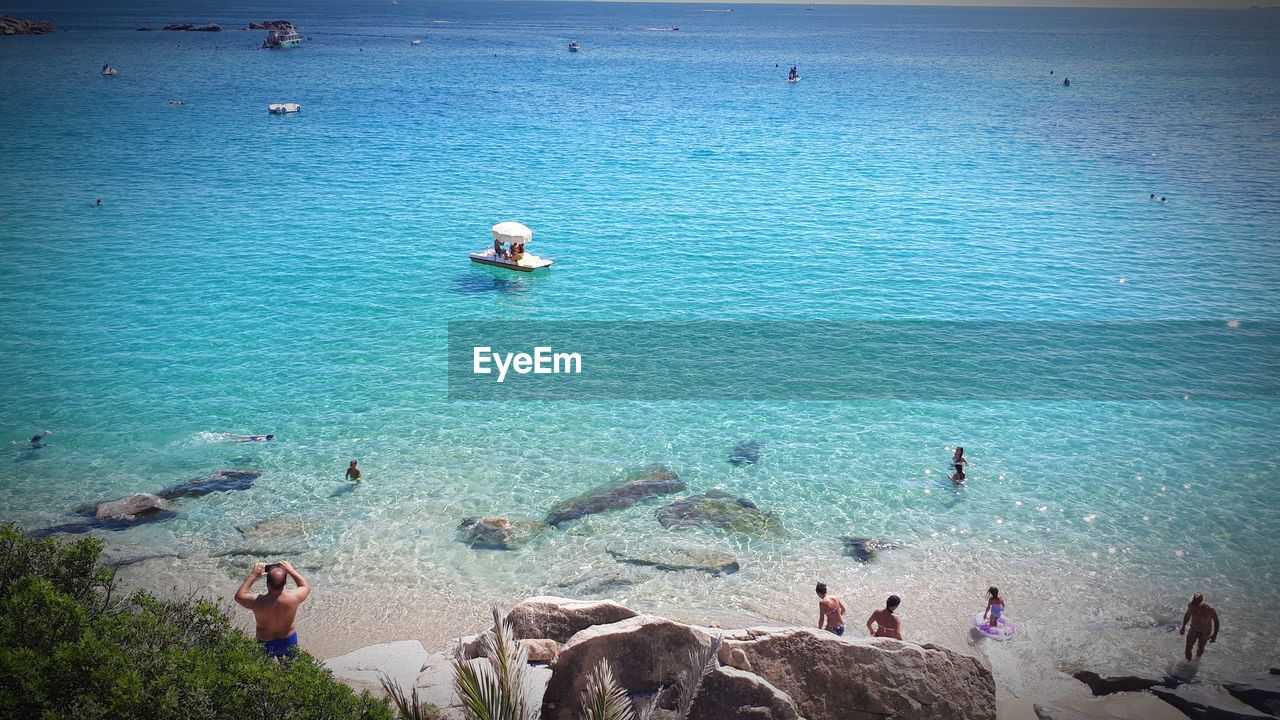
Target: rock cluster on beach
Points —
{"points": [[18, 26], [761, 673], [1231, 701]]}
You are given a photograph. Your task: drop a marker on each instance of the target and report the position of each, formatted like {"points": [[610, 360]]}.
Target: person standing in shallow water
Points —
{"points": [[830, 611], [1204, 625], [883, 623], [995, 606], [959, 461], [353, 472]]}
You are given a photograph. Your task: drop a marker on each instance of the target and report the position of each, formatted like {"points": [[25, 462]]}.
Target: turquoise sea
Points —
{"points": [[295, 275]]}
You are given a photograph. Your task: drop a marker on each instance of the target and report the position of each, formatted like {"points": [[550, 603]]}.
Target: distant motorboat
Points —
{"points": [[415, 42], [285, 37], [574, 47], [108, 71], [283, 108]]}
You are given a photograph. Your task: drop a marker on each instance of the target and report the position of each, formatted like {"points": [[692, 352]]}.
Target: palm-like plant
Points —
{"points": [[407, 707], [604, 699], [502, 688]]}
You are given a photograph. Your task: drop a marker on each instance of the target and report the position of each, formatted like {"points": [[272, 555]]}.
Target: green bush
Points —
{"points": [[70, 648]]}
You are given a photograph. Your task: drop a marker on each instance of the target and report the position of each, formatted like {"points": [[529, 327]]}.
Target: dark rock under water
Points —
{"points": [[718, 509], [864, 549], [218, 481], [635, 487], [745, 453], [497, 533]]}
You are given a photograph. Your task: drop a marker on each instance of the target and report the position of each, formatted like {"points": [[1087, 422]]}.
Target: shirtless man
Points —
{"points": [[1204, 625], [353, 472], [275, 609], [886, 623], [830, 611]]}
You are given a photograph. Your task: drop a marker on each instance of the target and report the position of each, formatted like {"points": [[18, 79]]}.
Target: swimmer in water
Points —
{"points": [[353, 472], [995, 606], [37, 441], [98, 202], [233, 437], [959, 461], [885, 623]]}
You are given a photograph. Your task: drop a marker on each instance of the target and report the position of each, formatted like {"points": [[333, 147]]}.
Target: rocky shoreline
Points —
{"points": [[18, 26], [776, 672]]}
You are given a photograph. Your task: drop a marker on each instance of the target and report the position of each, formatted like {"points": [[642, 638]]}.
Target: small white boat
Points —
{"points": [[415, 42], [514, 235], [283, 108], [574, 47], [108, 71], [794, 79], [282, 37]]}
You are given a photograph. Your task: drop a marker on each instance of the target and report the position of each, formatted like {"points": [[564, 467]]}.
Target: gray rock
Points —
{"points": [[1202, 707], [636, 487], [497, 533], [833, 678], [18, 26], [1107, 685], [217, 481], [676, 558], [279, 528], [560, 618], [646, 653], [136, 508], [1264, 697], [745, 453], [731, 694], [864, 549], [718, 509]]}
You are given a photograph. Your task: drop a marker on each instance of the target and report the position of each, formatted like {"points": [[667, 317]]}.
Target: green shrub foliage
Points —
{"points": [[71, 648]]}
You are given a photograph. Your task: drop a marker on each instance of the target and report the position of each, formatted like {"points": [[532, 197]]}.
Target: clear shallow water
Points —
{"points": [[294, 275]]}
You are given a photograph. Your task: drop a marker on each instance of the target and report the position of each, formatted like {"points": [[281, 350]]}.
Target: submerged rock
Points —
{"points": [[745, 453], [279, 528], [864, 549], [676, 558], [498, 533], [134, 509], [559, 619], [718, 509], [218, 481], [636, 487]]}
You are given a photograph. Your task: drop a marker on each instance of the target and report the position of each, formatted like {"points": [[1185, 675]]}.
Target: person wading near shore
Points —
{"points": [[1204, 625], [886, 624], [830, 611], [274, 610], [353, 472]]}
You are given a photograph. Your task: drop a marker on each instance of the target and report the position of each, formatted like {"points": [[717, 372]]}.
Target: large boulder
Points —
{"points": [[718, 509], [834, 678], [635, 487], [1106, 685], [559, 619], [217, 481], [18, 26], [645, 652], [675, 558], [731, 694], [135, 508], [1263, 696], [497, 533]]}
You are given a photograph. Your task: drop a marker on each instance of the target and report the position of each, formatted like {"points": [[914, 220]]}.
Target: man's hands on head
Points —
{"points": [[259, 569]]}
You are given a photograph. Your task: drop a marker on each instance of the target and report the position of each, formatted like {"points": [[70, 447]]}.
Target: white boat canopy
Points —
{"points": [[512, 232]]}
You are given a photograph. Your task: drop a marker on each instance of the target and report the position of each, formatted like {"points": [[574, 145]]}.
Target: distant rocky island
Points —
{"points": [[18, 26], [279, 25]]}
